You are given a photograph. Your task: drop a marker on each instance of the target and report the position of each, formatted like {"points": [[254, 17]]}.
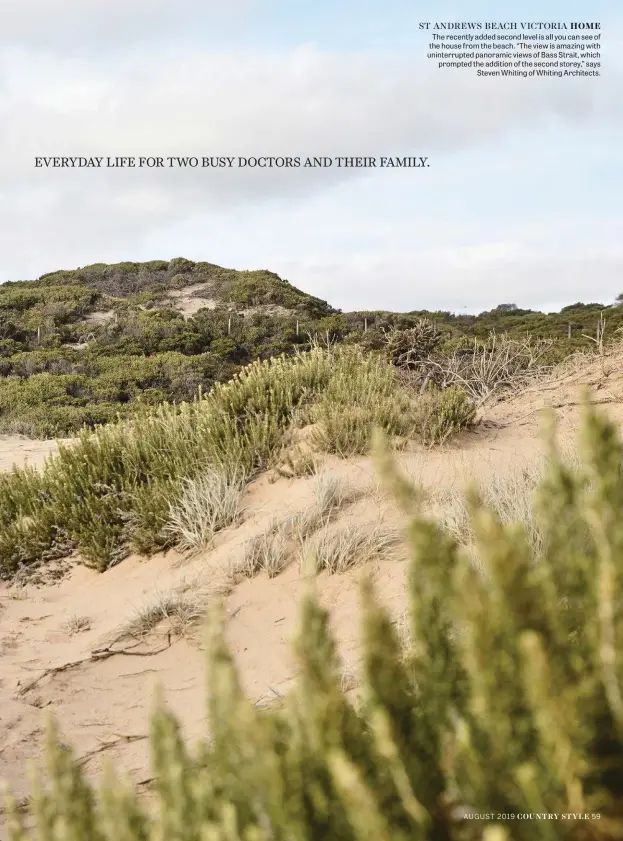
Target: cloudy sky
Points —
{"points": [[522, 201]]}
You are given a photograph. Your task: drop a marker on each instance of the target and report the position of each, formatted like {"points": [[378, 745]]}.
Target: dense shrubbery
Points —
{"points": [[59, 394], [100, 319], [111, 338], [112, 490], [111, 341], [500, 718], [249, 288]]}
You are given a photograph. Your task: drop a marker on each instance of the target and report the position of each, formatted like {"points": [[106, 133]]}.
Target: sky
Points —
{"points": [[521, 202]]}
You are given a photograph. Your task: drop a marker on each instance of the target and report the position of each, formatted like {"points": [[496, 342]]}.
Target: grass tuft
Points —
{"points": [[76, 624], [276, 547], [338, 550], [267, 552], [182, 607], [208, 504]]}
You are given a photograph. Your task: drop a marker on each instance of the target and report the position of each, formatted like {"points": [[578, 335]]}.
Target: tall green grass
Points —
{"points": [[500, 717]]}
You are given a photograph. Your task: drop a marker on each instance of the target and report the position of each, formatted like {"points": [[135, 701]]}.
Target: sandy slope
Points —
{"points": [[17, 449], [103, 702]]}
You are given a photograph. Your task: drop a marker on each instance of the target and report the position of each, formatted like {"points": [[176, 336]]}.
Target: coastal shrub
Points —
{"points": [[109, 491], [358, 398], [442, 413], [93, 490]]}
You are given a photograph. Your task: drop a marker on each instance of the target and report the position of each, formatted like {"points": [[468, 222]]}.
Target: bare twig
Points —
{"points": [[96, 655], [599, 341], [484, 370], [120, 740]]}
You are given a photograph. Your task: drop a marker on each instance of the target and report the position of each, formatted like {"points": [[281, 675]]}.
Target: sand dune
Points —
{"points": [[50, 635]]}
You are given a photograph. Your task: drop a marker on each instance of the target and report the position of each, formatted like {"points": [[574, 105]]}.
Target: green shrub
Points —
{"points": [[501, 718], [261, 288], [107, 491], [147, 521], [49, 421], [54, 393], [99, 490], [363, 393], [439, 414]]}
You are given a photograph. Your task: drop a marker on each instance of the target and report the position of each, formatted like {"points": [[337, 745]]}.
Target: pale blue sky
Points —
{"points": [[521, 203]]}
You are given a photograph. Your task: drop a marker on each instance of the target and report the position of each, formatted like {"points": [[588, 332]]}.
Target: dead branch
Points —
{"points": [[96, 655], [483, 370], [120, 740], [142, 672]]}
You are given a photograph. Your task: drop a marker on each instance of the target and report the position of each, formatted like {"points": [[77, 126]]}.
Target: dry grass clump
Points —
{"points": [[267, 552], [341, 549], [208, 504], [276, 547], [331, 494], [75, 624], [510, 496], [482, 368], [182, 608], [509, 493]]}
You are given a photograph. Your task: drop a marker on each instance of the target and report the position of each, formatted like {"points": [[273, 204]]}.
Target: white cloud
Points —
{"points": [[305, 102], [183, 101], [456, 279], [70, 23]]}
